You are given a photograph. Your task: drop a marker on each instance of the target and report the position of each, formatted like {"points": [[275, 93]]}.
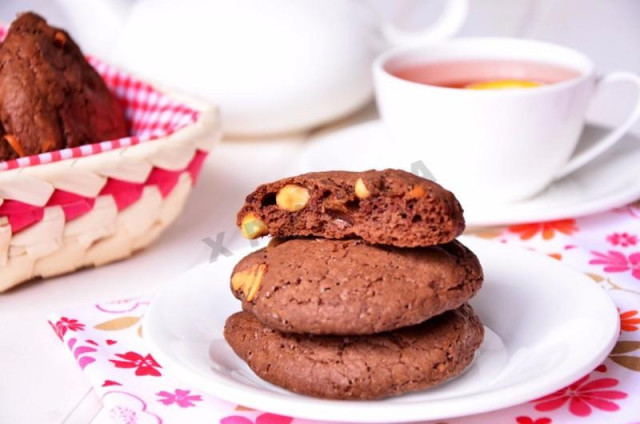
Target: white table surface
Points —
{"points": [[40, 382]]}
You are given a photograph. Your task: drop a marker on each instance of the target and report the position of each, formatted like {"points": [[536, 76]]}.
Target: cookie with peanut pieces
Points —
{"points": [[391, 207], [345, 287]]}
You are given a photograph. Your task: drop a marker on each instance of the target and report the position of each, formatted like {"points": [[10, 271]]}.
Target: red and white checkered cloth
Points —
{"points": [[151, 114]]}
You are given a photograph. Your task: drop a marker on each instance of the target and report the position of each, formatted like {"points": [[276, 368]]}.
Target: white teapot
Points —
{"points": [[273, 66]]}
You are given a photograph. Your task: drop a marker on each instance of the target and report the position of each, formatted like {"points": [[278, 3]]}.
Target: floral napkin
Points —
{"points": [[106, 341]]}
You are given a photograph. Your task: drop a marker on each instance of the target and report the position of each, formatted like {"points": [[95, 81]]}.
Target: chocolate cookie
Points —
{"points": [[359, 367], [383, 207], [50, 97], [322, 286]]}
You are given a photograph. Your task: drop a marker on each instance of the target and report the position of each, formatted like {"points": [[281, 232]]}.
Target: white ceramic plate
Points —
{"points": [[547, 325], [610, 181]]}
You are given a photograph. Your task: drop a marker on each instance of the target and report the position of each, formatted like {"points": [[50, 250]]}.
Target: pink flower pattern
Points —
{"points": [[128, 408], [63, 324], [529, 420], [583, 396], [622, 239], [182, 398], [144, 365], [615, 261], [82, 352]]}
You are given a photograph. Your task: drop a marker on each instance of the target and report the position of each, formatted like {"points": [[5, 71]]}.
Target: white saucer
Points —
{"points": [[611, 181], [536, 342]]}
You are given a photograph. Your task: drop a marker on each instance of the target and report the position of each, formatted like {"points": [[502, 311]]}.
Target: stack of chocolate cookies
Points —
{"points": [[362, 292]]}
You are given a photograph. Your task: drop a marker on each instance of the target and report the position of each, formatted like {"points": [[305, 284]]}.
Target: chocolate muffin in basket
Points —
{"points": [[50, 97]]}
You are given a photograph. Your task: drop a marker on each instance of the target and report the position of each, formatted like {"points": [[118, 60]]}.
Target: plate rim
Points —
{"points": [[281, 403]]}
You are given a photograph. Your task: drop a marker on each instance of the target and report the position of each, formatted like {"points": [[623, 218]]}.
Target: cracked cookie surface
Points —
{"points": [[50, 97], [359, 367], [391, 207], [322, 286]]}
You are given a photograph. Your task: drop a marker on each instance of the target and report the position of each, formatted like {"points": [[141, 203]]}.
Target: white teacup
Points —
{"points": [[502, 145]]}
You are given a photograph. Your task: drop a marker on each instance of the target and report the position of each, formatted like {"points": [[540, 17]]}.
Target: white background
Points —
{"points": [[40, 382]]}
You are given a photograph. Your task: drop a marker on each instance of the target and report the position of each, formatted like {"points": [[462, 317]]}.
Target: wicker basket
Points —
{"points": [[99, 203]]}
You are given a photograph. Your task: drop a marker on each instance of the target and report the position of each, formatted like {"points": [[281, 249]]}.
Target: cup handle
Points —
{"points": [[448, 24], [614, 135]]}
